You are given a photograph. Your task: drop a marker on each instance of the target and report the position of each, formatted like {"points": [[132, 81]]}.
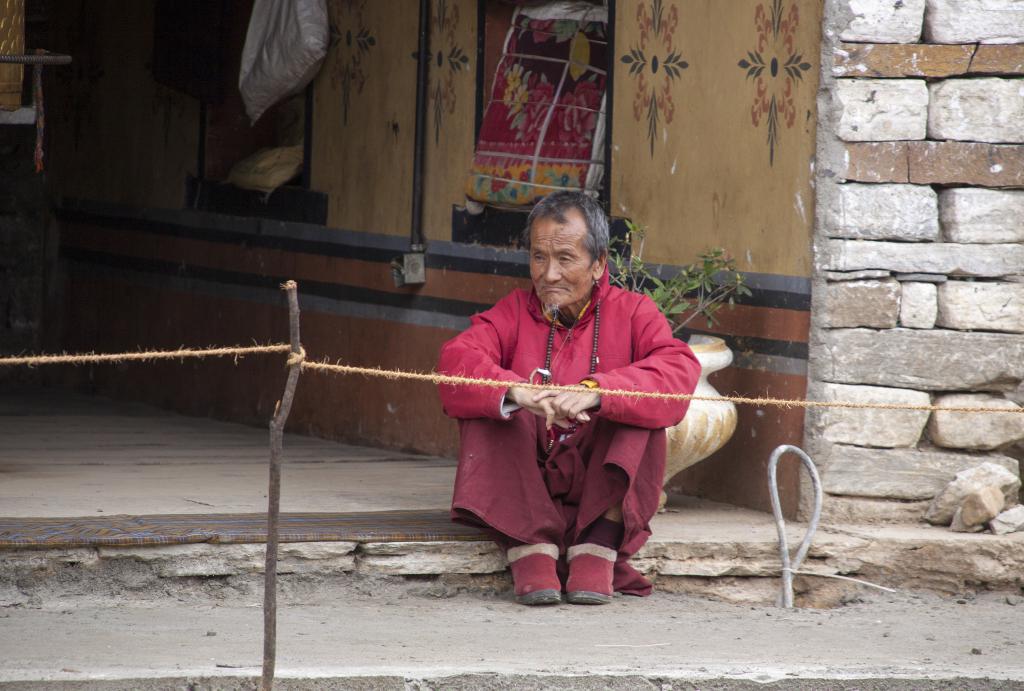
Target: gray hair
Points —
{"points": [[555, 206]]}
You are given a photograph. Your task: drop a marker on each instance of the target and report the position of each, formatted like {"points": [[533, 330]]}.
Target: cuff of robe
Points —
{"points": [[508, 407]]}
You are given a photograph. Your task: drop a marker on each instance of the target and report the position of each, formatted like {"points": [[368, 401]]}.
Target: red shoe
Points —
{"points": [[591, 568], [534, 574]]}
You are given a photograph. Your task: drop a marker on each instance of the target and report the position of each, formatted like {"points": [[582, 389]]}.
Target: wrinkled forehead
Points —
{"points": [[550, 231]]}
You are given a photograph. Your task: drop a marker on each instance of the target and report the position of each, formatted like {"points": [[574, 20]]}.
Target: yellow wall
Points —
{"points": [[708, 181], [364, 160], [113, 133], [363, 154], [451, 111]]}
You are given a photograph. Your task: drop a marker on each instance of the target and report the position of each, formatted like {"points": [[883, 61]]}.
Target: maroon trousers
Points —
{"points": [[510, 486]]}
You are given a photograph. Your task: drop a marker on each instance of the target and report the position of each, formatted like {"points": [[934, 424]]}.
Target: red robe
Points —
{"points": [[506, 481]]}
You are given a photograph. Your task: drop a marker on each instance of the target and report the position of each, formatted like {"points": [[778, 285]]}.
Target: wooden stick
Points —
{"points": [[274, 490]]}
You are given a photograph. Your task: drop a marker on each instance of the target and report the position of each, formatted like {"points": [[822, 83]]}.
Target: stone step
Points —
{"points": [[736, 560]]}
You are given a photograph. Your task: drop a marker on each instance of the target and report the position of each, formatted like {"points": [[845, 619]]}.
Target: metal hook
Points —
{"points": [[789, 568]]}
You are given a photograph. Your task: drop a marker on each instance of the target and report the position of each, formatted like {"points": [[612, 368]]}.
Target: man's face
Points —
{"points": [[561, 268]]}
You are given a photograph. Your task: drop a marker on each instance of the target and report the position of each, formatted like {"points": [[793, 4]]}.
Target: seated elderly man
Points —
{"points": [[549, 473]]}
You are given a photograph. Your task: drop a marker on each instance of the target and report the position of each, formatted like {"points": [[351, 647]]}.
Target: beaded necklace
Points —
{"points": [[546, 378], [546, 372]]}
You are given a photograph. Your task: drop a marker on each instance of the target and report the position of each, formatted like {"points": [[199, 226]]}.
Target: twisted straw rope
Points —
{"points": [[142, 356], [435, 378], [760, 401]]}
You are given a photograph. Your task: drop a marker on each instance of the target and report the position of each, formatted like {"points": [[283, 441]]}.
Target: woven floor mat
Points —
{"points": [[176, 529]]}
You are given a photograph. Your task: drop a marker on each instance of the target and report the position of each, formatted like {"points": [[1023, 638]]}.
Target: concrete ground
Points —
{"points": [[63, 454], [386, 635]]}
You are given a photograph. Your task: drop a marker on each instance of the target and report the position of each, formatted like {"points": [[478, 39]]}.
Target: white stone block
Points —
{"points": [[882, 109], [885, 22], [977, 110], [904, 474], [918, 305], [975, 214], [873, 304], [974, 21], [873, 427], [952, 259], [927, 360], [885, 212], [425, 558], [975, 431], [984, 306]]}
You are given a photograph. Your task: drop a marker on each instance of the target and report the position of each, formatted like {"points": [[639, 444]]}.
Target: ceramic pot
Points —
{"points": [[708, 425]]}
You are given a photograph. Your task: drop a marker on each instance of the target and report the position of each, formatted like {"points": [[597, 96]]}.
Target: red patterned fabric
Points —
{"points": [[543, 128]]}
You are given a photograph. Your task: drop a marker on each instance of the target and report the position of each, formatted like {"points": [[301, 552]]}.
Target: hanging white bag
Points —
{"points": [[284, 46]]}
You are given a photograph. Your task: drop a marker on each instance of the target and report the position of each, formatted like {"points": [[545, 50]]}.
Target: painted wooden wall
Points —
{"points": [[364, 116], [451, 112], [713, 145], [113, 133], [714, 128]]}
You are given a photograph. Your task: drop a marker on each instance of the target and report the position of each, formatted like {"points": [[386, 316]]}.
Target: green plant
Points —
{"points": [[699, 289]]}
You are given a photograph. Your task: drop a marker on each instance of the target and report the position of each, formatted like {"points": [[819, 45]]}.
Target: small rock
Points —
{"points": [[975, 651], [211, 633], [1009, 521], [1013, 600], [982, 506], [957, 525], [946, 503]]}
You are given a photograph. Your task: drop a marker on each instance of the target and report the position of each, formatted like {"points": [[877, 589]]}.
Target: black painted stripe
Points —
{"points": [[342, 292], [289, 244], [333, 291], [760, 297]]}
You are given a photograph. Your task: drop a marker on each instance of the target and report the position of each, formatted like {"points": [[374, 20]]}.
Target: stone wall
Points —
{"points": [[919, 248]]}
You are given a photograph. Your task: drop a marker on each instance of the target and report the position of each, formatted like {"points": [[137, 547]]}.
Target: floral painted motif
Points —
{"points": [[656, 64], [450, 60], [352, 42], [776, 68]]}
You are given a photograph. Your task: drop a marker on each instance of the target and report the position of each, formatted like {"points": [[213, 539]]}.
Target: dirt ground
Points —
{"points": [[380, 633]]}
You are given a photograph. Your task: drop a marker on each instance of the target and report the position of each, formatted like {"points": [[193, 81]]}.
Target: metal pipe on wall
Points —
{"points": [[410, 268], [416, 239]]}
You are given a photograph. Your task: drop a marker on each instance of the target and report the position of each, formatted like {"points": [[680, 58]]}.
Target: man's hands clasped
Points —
{"points": [[561, 408]]}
